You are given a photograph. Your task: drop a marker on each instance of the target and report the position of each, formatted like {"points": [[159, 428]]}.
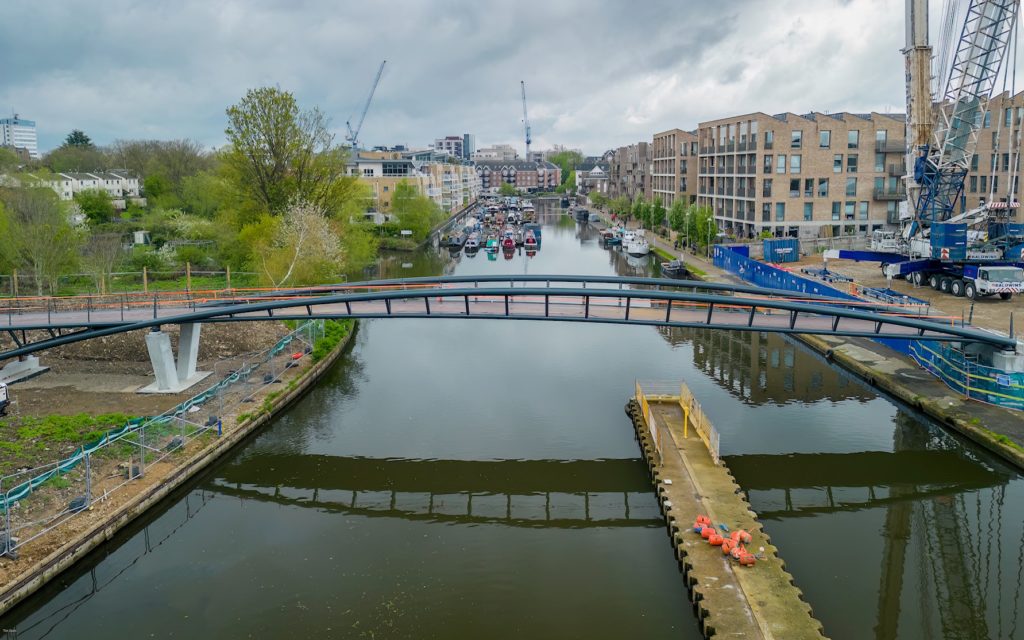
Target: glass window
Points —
{"points": [[794, 163], [767, 164], [780, 164], [974, 184], [851, 163], [1008, 117], [835, 210], [809, 188], [766, 212], [880, 136], [794, 187], [974, 162], [823, 187], [851, 186], [994, 161], [796, 139], [879, 162], [837, 163], [852, 139], [824, 139], [780, 211], [769, 138], [862, 211], [879, 183], [808, 211], [766, 189], [1006, 162], [849, 209], [988, 119]]}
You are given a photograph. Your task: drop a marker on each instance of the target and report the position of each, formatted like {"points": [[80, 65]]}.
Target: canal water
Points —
{"points": [[468, 479]]}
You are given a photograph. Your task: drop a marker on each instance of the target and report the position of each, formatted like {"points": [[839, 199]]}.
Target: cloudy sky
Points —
{"points": [[599, 73]]}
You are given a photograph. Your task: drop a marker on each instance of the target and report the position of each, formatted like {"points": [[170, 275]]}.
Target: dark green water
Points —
{"points": [[479, 479]]}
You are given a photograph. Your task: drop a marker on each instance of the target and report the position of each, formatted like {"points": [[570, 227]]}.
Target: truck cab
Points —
{"points": [[1002, 280]]}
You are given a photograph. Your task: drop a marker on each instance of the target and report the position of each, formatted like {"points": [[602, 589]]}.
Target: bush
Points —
{"points": [[334, 332], [196, 256], [146, 257]]}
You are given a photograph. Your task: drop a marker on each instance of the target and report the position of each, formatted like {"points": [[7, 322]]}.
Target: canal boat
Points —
{"points": [[638, 247], [519, 239], [535, 228], [473, 242], [456, 240], [508, 244], [491, 245], [675, 269], [529, 240]]}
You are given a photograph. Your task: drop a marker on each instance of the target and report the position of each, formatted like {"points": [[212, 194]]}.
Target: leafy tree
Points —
{"points": [[567, 161], [415, 212], [81, 158], [96, 205], [570, 182], [9, 160], [508, 189], [598, 199], [77, 138], [677, 216], [639, 211], [656, 213], [298, 247], [702, 227], [204, 193], [101, 253], [280, 154], [42, 238]]}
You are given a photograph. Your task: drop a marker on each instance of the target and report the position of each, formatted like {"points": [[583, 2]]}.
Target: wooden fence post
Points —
{"points": [[228, 272], [145, 280], [188, 276], [14, 283]]}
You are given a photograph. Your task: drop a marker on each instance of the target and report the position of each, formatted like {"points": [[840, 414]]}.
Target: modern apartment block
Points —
{"points": [[674, 163], [502, 152], [20, 134], [629, 171], [989, 178], [802, 175], [452, 145], [449, 184], [525, 176]]}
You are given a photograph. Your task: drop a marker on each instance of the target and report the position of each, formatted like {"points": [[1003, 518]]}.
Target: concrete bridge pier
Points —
{"points": [[174, 375]]}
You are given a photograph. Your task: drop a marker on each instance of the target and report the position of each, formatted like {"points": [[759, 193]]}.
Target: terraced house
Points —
{"points": [[808, 175]]}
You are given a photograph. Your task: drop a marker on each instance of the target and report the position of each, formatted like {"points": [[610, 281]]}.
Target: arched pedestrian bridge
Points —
{"points": [[35, 324]]}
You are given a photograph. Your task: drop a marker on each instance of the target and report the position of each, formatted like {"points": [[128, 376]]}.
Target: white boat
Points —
{"points": [[638, 247]]}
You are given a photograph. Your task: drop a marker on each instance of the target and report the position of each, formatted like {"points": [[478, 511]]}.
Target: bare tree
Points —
{"points": [[100, 254]]}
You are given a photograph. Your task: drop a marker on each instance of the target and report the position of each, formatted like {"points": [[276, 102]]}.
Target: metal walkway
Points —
{"points": [[35, 324]]}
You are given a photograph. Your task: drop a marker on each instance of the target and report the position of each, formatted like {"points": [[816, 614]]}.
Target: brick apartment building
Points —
{"points": [[802, 175], [629, 171], [674, 163], [526, 176], [989, 179]]}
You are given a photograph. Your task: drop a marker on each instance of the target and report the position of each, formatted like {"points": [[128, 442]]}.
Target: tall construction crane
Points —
{"points": [[353, 134], [526, 121]]}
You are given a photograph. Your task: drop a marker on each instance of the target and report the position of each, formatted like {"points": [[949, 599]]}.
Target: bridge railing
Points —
{"points": [[35, 501]]}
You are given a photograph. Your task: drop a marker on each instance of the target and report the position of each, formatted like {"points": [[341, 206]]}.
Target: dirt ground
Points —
{"points": [[989, 313], [102, 375]]}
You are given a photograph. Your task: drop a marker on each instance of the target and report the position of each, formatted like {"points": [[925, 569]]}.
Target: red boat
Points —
{"points": [[508, 243]]}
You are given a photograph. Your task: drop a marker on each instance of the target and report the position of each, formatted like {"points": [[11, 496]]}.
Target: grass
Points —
{"points": [[665, 255], [334, 332], [31, 441]]}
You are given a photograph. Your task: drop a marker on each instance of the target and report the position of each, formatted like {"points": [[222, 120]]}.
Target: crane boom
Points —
{"points": [[941, 166], [353, 134], [526, 121]]}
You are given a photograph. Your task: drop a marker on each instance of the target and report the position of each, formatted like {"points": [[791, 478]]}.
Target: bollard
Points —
{"points": [[220, 430]]}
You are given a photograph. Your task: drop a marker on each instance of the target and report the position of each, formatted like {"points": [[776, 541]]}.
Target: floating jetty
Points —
{"points": [[730, 600]]}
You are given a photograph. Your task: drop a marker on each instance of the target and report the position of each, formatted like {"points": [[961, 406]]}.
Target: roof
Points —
{"points": [[518, 165]]}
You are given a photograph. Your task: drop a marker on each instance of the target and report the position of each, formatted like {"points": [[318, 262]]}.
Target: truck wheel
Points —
{"points": [[933, 280], [1006, 295], [917, 278], [957, 288], [970, 290], [944, 284]]}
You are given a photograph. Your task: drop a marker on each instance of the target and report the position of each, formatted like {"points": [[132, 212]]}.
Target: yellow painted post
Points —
{"points": [[145, 280], [188, 276]]}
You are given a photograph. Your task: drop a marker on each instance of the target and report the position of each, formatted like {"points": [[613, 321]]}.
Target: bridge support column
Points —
{"points": [[174, 375], [23, 368]]}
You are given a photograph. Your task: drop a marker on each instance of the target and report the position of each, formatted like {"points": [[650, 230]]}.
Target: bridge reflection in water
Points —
{"points": [[521, 493]]}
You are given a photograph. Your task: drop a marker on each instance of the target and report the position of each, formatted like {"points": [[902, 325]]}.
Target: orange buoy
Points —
{"points": [[748, 560], [727, 546], [715, 539], [704, 519], [737, 551], [743, 536], [707, 532]]}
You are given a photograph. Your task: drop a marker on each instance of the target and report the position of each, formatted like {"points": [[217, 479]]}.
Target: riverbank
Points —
{"points": [[998, 430], [43, 559]]}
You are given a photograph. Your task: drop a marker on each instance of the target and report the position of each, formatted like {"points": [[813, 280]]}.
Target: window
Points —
{"points": [[879, 183], [835, 210], [809, 188], [796, 139], [1006, 162], [808, 211], [368, 172], [851, 163], [766, 188], [1008, 117], [766, 212], [851, 186], [974, 162], [852, 139], [837, 163], [988, 119], [848, 210], [824, 139], [984, 183], [794, 188], [780, 164], [780, 211], [823, 187], [385, 188], [879, 162], [767, 164], [880, 137], [794, 163], [862, 211], [769, 138], [995, 183], [995, 141], [995, 161]]}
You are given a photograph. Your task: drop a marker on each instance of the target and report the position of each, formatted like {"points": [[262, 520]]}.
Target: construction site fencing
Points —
{"points": [[36, 501]]}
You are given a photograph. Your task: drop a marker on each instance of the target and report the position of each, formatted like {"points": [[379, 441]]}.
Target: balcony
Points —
{"points": [[730, 147], [720, 170], [890, 146], [890, 194], [896, 170]]}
